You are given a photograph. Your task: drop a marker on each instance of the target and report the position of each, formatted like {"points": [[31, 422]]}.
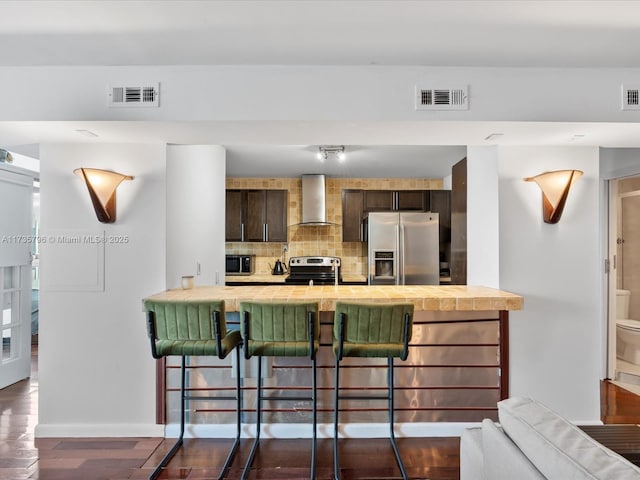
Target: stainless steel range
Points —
{"points": [[314, 270]]}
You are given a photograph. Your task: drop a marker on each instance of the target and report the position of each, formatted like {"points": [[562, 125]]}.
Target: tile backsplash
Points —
{"points": [[325, 240]]}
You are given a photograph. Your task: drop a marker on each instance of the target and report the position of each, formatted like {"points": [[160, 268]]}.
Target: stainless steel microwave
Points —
{"points": [[240, 264]]}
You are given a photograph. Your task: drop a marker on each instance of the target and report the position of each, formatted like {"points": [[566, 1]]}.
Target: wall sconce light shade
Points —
{"points": [[555, 189], [102, 186]]}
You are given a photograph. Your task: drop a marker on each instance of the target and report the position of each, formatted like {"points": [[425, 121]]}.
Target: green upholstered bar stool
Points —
{"points": [[193, 328], [281, 330], [374, 331]]}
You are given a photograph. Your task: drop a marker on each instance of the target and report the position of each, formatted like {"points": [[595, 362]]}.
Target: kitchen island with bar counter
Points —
{"points": [[456, 371]]}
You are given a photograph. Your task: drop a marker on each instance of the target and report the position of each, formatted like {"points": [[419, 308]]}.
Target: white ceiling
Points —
{"points": [[543, 33], [321, 32]]}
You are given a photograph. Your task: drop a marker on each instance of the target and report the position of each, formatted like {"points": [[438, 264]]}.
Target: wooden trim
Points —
{"points": [[504, 354], [161, 401]]}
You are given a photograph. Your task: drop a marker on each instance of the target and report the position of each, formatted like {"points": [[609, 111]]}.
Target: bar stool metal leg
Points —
{"points": [[176, 446], [336, 409], [166, 323], [314, 406], [392, 436], [374, 333], [254, 447], [236, 443], [281, 330]]}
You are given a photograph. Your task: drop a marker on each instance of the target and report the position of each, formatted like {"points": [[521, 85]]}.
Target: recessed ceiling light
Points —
{"points": [[87, 133], [578, 136], [493, 136]]}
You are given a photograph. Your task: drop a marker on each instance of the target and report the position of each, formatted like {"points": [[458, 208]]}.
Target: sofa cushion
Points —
{"points": [[559, 449], [471, 454], [503, 460]]}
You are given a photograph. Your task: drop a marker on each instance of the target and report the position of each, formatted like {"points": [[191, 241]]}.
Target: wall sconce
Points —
{"points": [[102, 186], [325, 150], [555, 189]]}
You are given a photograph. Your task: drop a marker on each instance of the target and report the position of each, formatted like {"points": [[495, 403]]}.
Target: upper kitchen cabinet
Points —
{"points": [[357, 203], [234, 218], [458, 260], [412, 200], [276, 211], [262, 214], [440, 202], [352, 215], [390, 200]]}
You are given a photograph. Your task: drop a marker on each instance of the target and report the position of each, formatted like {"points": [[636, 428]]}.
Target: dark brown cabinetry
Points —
{"points": [[256, 216], [390, 200], [352, 215], [357, 203], [458, 261], [234, 218], [440, 202]]}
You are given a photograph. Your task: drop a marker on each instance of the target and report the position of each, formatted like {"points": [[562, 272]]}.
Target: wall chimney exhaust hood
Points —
{"points": [[314, 207]]}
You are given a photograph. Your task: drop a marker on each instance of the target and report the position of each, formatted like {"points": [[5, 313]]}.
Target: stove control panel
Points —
{"points": [[314, 261]]}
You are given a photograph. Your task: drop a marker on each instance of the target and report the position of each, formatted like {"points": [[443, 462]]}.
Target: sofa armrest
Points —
{"points": [[503, 460], [559, 449], [471, 463]]}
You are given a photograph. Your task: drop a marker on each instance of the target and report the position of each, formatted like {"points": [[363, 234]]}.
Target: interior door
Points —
{"points": [[16, 192]]}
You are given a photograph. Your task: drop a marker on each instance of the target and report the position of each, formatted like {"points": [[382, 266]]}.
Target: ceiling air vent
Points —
{"points": [[630, 97], [442, 98], [138, 96]]}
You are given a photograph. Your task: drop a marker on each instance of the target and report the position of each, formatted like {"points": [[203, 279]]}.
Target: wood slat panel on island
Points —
{"points": [[424, 297], [457, 369]]}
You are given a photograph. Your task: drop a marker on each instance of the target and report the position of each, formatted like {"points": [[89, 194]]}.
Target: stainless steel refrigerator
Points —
{"points": [[403, 248]]}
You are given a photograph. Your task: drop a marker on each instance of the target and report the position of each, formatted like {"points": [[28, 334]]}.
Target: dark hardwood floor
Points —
{"points": [[22, 457], [618, 405]]}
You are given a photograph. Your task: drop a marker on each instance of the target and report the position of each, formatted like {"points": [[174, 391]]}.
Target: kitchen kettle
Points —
{"points": [[278, 268]]}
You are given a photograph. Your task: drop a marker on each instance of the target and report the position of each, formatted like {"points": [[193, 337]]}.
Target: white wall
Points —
{"points": [[315, 93], [556, 341], [95, 368], [96, 373], [619, 162], [483, 239], [195, 213]]}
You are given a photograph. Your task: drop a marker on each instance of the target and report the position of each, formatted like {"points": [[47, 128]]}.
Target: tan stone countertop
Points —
{"points": [[353, 277], [268, 278], [424, 297], [255, 278]]}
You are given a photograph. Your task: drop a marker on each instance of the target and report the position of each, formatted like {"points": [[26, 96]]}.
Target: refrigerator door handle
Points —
{"points": [[400, 253]]}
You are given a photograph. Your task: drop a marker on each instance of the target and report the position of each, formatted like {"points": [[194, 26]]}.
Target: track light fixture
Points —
{"points": [[325, 150]]}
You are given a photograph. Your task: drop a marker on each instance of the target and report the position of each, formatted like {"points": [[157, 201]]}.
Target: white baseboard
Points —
{"points": [[98, 430], [325, 430]]}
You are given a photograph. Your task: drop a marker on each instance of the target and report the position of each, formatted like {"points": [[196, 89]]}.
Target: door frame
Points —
{"points": [[612, 273], [17, 256]]}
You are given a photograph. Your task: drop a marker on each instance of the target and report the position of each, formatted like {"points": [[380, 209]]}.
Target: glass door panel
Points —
{"points": [[15, 275]]}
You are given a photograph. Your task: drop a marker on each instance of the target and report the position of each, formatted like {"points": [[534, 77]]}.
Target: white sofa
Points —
{"points": [[533, 443]]}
